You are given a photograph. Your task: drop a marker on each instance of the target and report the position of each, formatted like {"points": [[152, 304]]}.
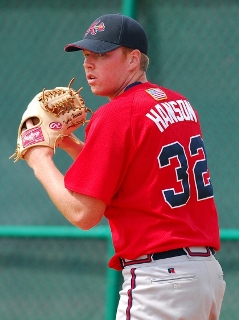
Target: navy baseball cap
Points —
{"points": [[110, 32]]}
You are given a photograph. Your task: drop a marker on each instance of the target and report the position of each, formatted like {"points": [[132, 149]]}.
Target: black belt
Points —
{"points": [[169, 254], [182, 252]]}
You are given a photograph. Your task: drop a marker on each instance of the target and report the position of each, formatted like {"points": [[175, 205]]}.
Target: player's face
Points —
{"points": [[107, 74]]}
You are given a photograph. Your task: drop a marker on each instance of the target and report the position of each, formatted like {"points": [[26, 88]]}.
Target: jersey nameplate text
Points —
{"points": [[166, 113]]}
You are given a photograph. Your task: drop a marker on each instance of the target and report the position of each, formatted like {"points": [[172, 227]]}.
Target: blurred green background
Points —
{"points": [[193, 49]]}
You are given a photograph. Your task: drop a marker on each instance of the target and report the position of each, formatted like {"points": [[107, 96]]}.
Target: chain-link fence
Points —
{"points": [[52, 279], [194, 50]]}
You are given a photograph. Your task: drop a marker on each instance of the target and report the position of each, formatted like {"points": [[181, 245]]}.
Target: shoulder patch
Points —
{"points": [[157, 93]]}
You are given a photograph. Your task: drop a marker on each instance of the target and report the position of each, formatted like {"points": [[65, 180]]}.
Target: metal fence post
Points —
{"points": [[129, 8], [112, 287]]}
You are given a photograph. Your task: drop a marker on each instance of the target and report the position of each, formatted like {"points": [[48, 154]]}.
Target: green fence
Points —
{"points": [[63, 310], [41, 295], [49, 270]]}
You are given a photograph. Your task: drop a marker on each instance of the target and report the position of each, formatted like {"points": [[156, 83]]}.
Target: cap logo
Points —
{"points": [[95, 27]]}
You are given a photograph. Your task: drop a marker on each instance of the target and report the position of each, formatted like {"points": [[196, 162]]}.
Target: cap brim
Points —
{"points": [[96, 46]]}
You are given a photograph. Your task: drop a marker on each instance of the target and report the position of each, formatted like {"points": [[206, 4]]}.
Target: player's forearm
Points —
{"points": [[53, 182], [81, 210]]}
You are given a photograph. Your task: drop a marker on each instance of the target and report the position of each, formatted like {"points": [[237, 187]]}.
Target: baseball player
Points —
{"points": [[143, 166]]}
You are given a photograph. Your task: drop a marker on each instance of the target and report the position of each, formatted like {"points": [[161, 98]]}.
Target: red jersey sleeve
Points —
{"points": [[100, 168]]}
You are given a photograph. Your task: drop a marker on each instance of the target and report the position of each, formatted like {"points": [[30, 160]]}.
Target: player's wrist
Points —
{"points": [[72, 145], [36, 156]]}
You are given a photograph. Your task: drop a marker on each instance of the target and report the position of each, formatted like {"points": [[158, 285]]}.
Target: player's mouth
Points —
{"points": [[91, 79]]}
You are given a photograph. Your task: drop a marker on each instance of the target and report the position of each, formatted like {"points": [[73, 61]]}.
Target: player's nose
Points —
{"points": [[88, 62]]}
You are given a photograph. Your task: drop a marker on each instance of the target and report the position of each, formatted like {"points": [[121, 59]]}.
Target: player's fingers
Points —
{"points": [[27, 125]]}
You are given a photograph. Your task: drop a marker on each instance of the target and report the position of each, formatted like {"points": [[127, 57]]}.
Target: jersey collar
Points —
{"points": [[132, 85]]}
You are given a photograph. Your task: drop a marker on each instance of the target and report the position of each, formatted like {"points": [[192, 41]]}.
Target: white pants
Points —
{"points": [[178, 288]]}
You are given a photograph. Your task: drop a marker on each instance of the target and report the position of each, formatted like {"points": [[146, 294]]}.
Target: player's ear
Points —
{"points": [[135, 56]]}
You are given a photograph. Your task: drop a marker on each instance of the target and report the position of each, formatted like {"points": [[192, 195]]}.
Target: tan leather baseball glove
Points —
{"points": [[55, 114]]}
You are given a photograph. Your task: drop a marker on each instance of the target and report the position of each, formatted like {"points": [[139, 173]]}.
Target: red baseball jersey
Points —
{"points": [[144, 157]]}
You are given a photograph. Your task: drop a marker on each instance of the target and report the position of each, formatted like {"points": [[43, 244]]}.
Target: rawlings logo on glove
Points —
{"points": [[32, 136], [55, 114]]}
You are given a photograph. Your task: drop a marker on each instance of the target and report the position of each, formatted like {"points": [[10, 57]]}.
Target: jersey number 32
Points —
{"points": [[200, 173]]}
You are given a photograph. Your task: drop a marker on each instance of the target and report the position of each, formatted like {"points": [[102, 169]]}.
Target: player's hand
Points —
{"points": [[36, 154], [72, 145], [67, 142]]}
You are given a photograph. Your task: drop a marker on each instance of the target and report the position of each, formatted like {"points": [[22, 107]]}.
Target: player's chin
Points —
{"points": [[98, 91]]}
